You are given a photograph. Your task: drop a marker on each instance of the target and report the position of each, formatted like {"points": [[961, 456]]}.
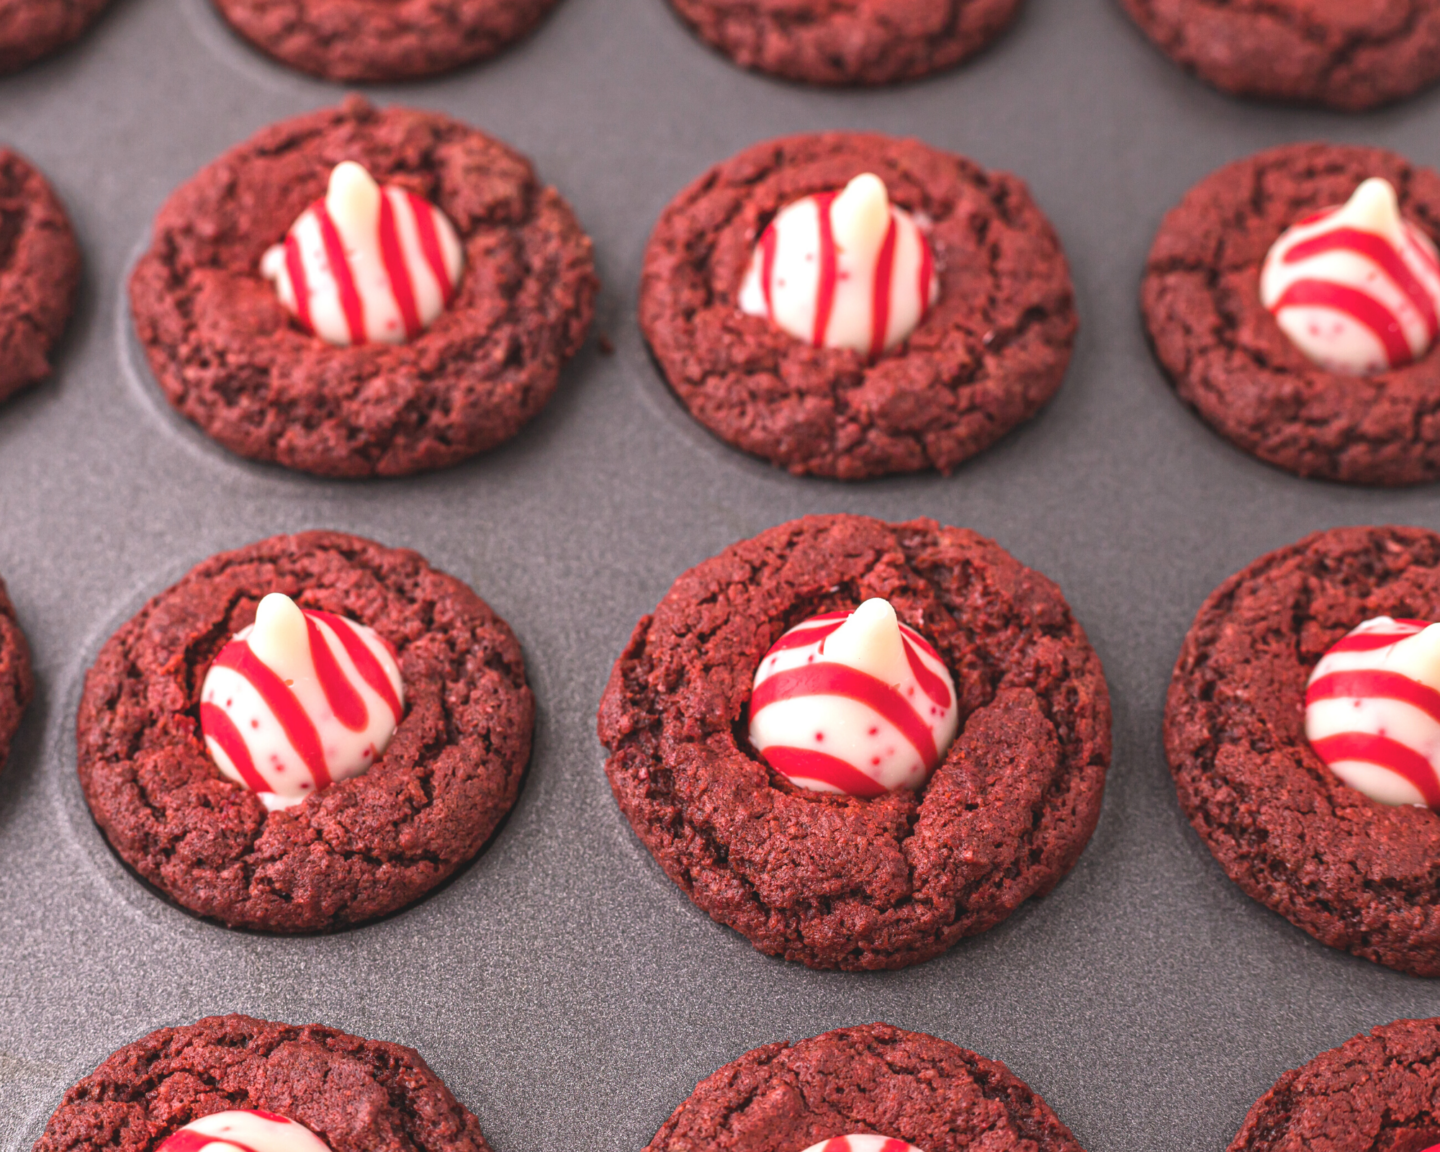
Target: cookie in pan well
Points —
{"points": [[849, 304], [363, 292], [841, 792], [1292, 299], [233, 1080], [31, 29], [1302, 728], [305, 733], [868, 1089]]}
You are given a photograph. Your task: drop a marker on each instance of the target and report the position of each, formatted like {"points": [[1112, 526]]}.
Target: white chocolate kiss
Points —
{"points": [[243, 1130], [280, 640], [831, 732], [862, 1143], [860, 218], [1394, 323], [361, 212]]}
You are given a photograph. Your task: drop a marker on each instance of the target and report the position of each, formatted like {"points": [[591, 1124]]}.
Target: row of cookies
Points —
{"points": [[361, 292], [1349, 57], [228, 1083], [853, 742]]}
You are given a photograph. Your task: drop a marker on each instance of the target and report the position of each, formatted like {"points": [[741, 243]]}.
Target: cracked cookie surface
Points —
{"points": [[30, 29], [379, 39], [874, 1078], [1229, 359], [1336, 53], [848, 41], [229, 357], [356, 1095], [833, 881], [17, 682], [359, 848], [39, 273], [987, 356], [1354, 873], [1374, 1093]]}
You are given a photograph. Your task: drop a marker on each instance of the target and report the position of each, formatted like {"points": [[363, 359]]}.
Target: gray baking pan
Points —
{"points": [[562, 986]]}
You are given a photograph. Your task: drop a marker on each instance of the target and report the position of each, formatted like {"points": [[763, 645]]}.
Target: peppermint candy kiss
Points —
{"points": [[853, 702], [1356, 288], [245, 1130], [1372, 711], [843, 270], [299, 700], [862, 1143], [365, 263]]}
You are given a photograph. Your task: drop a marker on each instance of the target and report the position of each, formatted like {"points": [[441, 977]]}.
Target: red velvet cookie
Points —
{"points": [[30, 29], [1372, 1094], [361, 847], [987, 355], [872, 1079], [1336, 53], [837, 881], [230, 357], [17, 684], [1354, 873], [39, 273], [848, 41], [356, 1095], [379, 39], [1230, 360]]}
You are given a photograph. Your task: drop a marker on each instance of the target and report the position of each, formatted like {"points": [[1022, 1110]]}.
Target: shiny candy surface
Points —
{"points": [[243, 1130], [853, 702], [862, 1143], [299, 700]]}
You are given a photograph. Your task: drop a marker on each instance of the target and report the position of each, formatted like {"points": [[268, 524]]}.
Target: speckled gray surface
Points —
{"points": [[562, 986]]}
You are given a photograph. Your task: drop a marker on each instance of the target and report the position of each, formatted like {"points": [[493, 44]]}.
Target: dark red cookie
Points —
{"points": [[17, 684], [39, 273], [1229, 359], [833, 881], [848, 41], [873, 1079], [1337, 53], [381, 39], [986, 357], [1374, 1093], [359, 848], [1354, 873], [30, 29], [229, 357], [356, 1095]]}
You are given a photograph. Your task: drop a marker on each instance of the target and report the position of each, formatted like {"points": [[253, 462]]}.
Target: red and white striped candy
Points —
{"points": [[862, 1143], [1356, 288], [299, 700], [365, 263], [843, 270], [1372, 711], [243, 1130], [853, 702]]}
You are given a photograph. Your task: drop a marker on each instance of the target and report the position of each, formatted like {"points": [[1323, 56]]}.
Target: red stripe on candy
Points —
{"points": [[1375, 683], [930, 684], [1383, 753], [215, 722], [1379, 251], [340, 694], [825, 289], [1363, 309], [803, 635], [880, 297], [281, 701], [370, 669], [295, 267], [1369, 641], [395, 269], [350, 301], [838, 680], [837, 1144], [895, 1146], [768, 242], [430, 244], [811, 765], [271, 1116]]}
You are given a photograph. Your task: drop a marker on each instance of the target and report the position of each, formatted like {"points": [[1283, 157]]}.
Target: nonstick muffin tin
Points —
{"points": [[564, 989]]}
